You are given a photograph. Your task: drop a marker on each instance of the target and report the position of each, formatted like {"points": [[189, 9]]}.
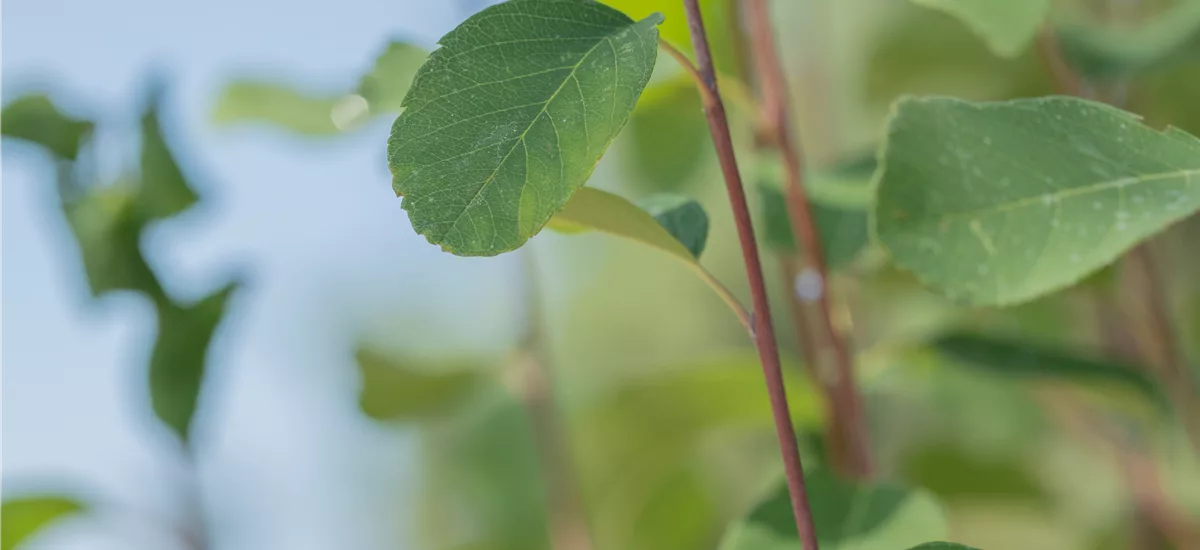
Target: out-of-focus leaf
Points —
{"points": [[1026, 360], [670, 135], [164, 192], [177, 363], [397, 389], [943, 546], [1092, 182], [682, 217], [954, 474], [107, 227], [674, 29], [504, 122], [279, 105], [644, 443], [21, 518], [1099, 51], [36, 119], [385, 86], [1007, 26], [1168, 97], [482, 489], [846, 515], [839, 199], [926, 52]]}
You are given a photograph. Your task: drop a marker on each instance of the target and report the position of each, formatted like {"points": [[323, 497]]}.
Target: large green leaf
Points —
{"points": [[179, 358], [107, 226], [36, 119], [1000, 203], [847, 516], [1008, 26], [510, 116], [21, 518], [1100, 51], [164, 192], [406, 390]]}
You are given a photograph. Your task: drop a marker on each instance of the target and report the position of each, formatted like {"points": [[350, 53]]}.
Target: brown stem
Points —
{"points": [[763, 332], [567, 516], [775, 115]]}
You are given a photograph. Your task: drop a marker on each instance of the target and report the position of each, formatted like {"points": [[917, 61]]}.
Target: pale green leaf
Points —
{"points": [[510, 116], [386, 85], [718, 19], [34, 118], [593, 209], [1001, 203], [1007, 26], [276, 104], [682, 217], [410, 389], [163, 192], [23, 517], [179, 358], [847, 516]]}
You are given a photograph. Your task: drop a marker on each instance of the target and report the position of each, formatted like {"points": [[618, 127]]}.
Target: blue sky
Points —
{"points": [[286, 460]]}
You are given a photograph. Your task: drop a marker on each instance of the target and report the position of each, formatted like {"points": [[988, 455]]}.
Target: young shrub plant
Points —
{"points": [[991, 204]]}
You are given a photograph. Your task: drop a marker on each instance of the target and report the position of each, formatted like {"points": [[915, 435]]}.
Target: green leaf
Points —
{"points": [[36, 119], [406, 390], [839, 198], [1007, 26], [1033, 361], [846, 515], [164, 192], [952, 473], [674, 29], [1000, 203], [180, 355], [385, 86], [682, 217], [669, 135], [510, 116], [22, 518], [279, 105], [1106, 52], [107, 226], [943, 546]]}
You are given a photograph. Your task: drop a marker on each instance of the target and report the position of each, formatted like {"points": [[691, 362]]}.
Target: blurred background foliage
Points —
{"points": [[993, 427]]}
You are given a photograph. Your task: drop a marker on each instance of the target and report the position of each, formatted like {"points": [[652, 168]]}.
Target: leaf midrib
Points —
{"points": [[521, 139], [1185, 174]]}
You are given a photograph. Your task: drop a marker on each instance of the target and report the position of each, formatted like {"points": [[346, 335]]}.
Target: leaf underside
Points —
{"points": [[999, 203], [510, 116]]}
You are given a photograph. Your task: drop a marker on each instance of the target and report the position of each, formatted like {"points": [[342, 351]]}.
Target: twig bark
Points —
{"points": [[763, 332], [777, 131]]}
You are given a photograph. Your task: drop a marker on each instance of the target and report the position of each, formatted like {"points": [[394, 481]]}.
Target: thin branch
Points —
{"points": [[776, 116], [763, 332], [567, 515]]}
